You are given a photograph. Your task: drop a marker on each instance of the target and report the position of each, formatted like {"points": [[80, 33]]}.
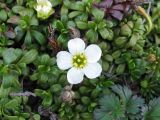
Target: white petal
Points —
{"points": [[76, 45], [93, 53], [64, 60], [39, 8], [75, 76], [48, 3], [46, 9], [41, 1], [92, 70]]}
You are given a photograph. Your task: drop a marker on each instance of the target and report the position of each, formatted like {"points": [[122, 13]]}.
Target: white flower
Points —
{"points": [[44, 9], [81, 61]]}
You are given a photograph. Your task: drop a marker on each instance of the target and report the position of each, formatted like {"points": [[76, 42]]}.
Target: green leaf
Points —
{"points": [[74, 14], [44, 59], [98, 14], [10, 80], [110, 109], [56, 88], [133, 40], [101, 25], [47, 101], [17, 9], [34, 21], [45, 95], [10, 55], [12, 104], [39, 37], [92, 25], [82, 17], [104, 33], [64, 10], [11, 117], [81, 25], [124, 92], [3, 15], [28, 38], [20, 2], [152, 111], [36, 117], [55, 2], [62, 39], [29, 56], [132, 103], [124, 106], [92, 35], [27, 12], [59, 25], [79, 6]]}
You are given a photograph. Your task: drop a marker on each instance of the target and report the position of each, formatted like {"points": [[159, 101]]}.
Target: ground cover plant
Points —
{"points": [[79, 60]]}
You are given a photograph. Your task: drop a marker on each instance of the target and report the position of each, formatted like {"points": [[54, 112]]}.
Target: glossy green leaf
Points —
{"points": [[29, 56], [38, 36]]}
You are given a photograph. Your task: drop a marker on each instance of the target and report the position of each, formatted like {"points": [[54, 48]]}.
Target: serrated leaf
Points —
{"points": [[110, 108], [152, 111], [124, 92]]}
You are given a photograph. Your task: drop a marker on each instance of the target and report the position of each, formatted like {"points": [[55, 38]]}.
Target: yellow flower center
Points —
{"points": [[79, 61]]}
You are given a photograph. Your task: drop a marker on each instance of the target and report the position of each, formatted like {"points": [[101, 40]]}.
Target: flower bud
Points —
{"points": [[44, 9], [144, 83], [67, 95], [74, 33], [151, 58]]}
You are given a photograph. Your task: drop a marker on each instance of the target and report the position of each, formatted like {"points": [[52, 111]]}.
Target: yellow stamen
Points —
{"points": [[79, 61]]}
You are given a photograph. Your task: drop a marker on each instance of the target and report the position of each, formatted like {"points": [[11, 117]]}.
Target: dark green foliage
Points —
{"points": [[152, 110], [123, 106]]}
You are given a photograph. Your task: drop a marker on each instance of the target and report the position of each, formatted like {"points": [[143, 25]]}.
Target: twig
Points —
{"points": [[149, 8], [23, 94], [111, 68]]}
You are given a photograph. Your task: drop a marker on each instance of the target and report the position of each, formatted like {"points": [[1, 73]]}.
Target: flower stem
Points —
{"points": [[142, 11]]}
